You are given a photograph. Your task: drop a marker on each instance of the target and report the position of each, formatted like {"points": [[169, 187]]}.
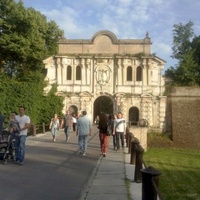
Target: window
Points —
{"points": [[129, 73], [78, 72], [139, 74], [69, 72]]}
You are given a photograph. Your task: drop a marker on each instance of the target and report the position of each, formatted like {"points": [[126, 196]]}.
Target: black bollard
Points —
{"points": [[129, 142], [138, 163], [149, 179], [127, 136], [134, 143]]}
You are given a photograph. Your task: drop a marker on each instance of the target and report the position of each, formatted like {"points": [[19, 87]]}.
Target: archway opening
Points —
{"points": [[73, 110], [133, 116], [102, 104]]}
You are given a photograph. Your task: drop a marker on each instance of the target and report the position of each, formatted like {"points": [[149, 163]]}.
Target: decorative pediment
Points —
{"points": [[105, 34]]}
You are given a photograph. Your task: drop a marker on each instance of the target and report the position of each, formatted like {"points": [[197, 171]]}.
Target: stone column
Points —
{"points": [[58, 70], [74, 69], [123, 72], [144, 73], [83, 72], [120, 73]]}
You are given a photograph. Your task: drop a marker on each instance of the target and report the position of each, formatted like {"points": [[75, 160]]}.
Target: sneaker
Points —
{"points": [[104, 155], [20, 163], [84, 153], [16, 162], [80, 152]]}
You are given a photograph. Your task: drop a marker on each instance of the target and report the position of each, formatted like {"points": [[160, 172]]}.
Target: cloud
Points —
{"points": [[127, 19]]}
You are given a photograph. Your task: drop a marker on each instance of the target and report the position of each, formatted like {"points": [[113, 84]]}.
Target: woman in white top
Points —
{"points": [[54, 126]]}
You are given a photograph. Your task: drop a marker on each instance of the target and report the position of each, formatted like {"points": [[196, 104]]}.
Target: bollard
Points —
{"points": [[149, 175], [138, 163], [43, 127], [127, 136], [34, 130], [129, 142], [134, 143]]}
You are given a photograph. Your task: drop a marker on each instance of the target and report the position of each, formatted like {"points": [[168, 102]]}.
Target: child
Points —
{"points": [[13, 123]]}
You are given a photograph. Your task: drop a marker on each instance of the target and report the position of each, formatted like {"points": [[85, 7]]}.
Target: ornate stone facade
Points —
{"points": [[121, 74]]}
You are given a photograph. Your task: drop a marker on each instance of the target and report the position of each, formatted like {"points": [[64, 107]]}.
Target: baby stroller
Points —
{"points": [[7, 149]]}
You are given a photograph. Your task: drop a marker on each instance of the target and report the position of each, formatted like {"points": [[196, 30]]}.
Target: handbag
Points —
{"points": [[108, 131]]}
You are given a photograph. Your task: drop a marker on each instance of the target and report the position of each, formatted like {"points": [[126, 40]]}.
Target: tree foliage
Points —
{"points": [[26, 38], [186, 49], [182, 35], [40, 107]]}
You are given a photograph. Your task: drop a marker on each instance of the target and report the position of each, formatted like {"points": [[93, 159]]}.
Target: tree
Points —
{"points": [[26, 38], [186, 50], [196, 47], [181, 39]]}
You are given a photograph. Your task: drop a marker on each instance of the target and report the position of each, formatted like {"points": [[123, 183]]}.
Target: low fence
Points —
{"points": [[148, 176], [35, 129]]}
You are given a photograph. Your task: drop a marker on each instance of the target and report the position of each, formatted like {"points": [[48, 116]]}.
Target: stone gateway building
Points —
{"points": [[107, 74]]}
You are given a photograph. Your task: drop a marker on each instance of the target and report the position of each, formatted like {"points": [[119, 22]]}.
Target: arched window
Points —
{"points": [[78, 72], [69, 72], [139, 74], [129, 73], [133, 115]]}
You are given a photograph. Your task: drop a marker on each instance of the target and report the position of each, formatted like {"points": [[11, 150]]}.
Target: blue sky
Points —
{"points": [[127, 19]]}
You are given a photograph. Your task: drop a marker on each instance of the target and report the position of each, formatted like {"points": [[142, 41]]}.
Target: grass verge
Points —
{"points": [[180, 168]]}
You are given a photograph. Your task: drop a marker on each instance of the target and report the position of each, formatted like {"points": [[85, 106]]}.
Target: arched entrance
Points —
{"points": [[133, 116], [102, 104], [73, 110]]}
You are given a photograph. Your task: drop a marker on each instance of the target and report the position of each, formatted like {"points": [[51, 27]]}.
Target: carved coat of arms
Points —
{"points": [[103, 76]]}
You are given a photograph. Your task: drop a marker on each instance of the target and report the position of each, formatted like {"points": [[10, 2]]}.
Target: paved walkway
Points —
{"points": [[113, 178]]}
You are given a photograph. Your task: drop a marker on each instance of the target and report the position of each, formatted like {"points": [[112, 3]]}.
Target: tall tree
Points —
{"points": [[186, 50], [196, 47], [26, 38], [182, 35]]}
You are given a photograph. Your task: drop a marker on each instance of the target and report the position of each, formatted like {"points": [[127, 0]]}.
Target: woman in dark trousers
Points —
{"points": [[104, 138]]}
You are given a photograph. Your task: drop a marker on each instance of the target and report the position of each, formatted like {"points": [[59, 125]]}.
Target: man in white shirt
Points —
{"points": [[119, 129], [24, 122]]}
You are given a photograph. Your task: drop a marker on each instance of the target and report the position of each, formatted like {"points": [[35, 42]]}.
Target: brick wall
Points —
{"points": [[183, 116]]}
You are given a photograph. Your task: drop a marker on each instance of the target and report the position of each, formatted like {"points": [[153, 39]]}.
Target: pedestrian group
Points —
{"points": [[109, 125]]}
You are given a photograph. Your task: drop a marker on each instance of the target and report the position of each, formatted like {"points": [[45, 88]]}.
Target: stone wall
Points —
{"points": [[141, 134], [183, 116]]}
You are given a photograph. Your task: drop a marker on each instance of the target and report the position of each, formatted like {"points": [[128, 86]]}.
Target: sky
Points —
{"points": [[127, 19]]}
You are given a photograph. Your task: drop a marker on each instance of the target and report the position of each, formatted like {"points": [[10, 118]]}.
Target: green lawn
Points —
{"points": [[180, 171]]}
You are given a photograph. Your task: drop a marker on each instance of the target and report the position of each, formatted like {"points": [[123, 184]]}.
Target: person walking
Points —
{"points": [[103, 137], [84, 128], [114, 117], [24, 122], [54, 126], [119, 130], [67, 122]]}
